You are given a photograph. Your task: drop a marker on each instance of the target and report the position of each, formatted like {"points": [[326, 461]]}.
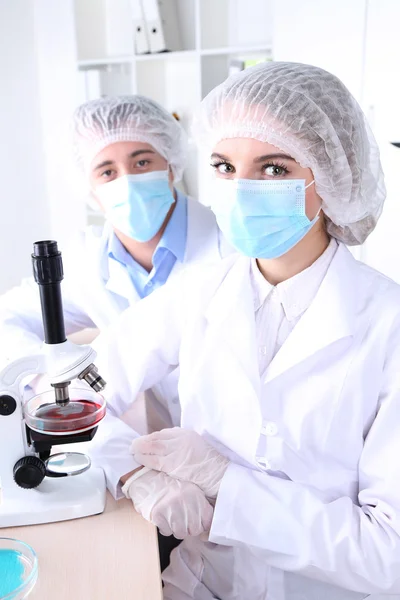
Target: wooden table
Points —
{"points": [[105, 557]]}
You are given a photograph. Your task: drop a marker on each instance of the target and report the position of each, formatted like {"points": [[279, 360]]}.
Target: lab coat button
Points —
{"points": [[269, 429]]}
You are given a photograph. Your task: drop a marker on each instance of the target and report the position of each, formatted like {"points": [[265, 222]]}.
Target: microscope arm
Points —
{"points": [[13, 374]]}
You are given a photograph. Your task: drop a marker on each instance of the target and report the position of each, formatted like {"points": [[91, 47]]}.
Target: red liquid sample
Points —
{"points": [[77, 414]]}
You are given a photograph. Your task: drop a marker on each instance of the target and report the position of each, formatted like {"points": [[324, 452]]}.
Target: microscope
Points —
{"points": [[36, 484]]}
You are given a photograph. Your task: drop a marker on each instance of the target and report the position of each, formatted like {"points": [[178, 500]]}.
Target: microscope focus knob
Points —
{"points": [[29, 472]]}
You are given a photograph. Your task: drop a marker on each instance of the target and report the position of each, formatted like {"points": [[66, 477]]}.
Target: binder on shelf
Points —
{"points": [[162, 25], [141, 42]]}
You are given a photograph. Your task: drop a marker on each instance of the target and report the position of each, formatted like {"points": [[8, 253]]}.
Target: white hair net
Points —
{"points": [[308, 113], [102, 122]]}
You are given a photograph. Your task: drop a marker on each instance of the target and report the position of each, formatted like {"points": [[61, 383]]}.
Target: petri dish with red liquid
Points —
{"points": [[84, 411]]}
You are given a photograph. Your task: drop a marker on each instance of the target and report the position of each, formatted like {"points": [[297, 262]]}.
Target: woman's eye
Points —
{"points": [[224, 168], [107, 173], [142, 163], [275, 170]]}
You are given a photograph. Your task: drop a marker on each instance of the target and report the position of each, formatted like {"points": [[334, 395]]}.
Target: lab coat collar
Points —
{"points": [[97, 275], [203, 237], [329, 318], [232, 310], [115, 275], [296, 293], [120, 283]]}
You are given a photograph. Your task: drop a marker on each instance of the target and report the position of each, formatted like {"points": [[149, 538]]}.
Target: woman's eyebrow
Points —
{"points": [[265, 157], [257, 160], [220, 156]]}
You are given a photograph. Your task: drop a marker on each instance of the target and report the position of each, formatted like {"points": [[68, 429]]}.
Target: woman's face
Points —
{"points": [[246, 158]]}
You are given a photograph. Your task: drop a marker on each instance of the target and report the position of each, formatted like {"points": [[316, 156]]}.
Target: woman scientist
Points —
{"points": [[289, 358]]}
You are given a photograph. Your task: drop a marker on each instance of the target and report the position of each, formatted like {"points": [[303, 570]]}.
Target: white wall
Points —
{"points": [[55, 50], [39, 197], [329, 34], [358, 42], [382, 249], [23, 211], [381, 101]]}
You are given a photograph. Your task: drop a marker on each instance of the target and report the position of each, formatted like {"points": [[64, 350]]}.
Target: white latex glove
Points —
{"points": [[177, 508], [184, 455]]}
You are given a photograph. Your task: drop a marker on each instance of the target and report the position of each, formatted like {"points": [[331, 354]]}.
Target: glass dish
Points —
{"points": [[84, 411], [18, 569]]}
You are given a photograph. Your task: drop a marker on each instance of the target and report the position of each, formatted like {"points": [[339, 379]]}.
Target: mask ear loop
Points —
{"points": [[320, 208]]}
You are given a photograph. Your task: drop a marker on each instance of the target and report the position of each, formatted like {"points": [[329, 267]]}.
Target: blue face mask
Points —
{"points": [[261, 218], [137, 205]]}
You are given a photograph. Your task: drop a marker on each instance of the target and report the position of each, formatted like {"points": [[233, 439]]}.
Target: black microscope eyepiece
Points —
{"points": [[47, 263], [48, 273]]}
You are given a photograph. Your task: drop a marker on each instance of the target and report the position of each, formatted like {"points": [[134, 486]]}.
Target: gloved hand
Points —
{"points": [[175, 507], [184, 455]]}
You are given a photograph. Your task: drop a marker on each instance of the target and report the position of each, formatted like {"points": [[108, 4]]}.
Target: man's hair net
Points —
{"points": [[102, 122], [308, 113]]}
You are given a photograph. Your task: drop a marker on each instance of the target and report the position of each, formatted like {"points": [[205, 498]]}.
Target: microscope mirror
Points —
{"points": [[66, 464]]}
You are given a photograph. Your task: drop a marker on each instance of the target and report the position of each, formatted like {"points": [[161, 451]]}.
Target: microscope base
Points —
{"points": [[59, 499]]}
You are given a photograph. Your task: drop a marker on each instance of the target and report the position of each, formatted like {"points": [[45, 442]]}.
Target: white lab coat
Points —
{"points": [[96, 290], [311, 511]]}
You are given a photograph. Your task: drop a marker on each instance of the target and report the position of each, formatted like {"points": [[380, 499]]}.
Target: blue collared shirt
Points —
{"points": [[170, 248]]}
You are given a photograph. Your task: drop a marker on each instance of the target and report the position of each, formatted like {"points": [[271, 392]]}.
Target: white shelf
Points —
{"points": [[166, 55], [108, 60], [236, 50], [115, 60]]}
